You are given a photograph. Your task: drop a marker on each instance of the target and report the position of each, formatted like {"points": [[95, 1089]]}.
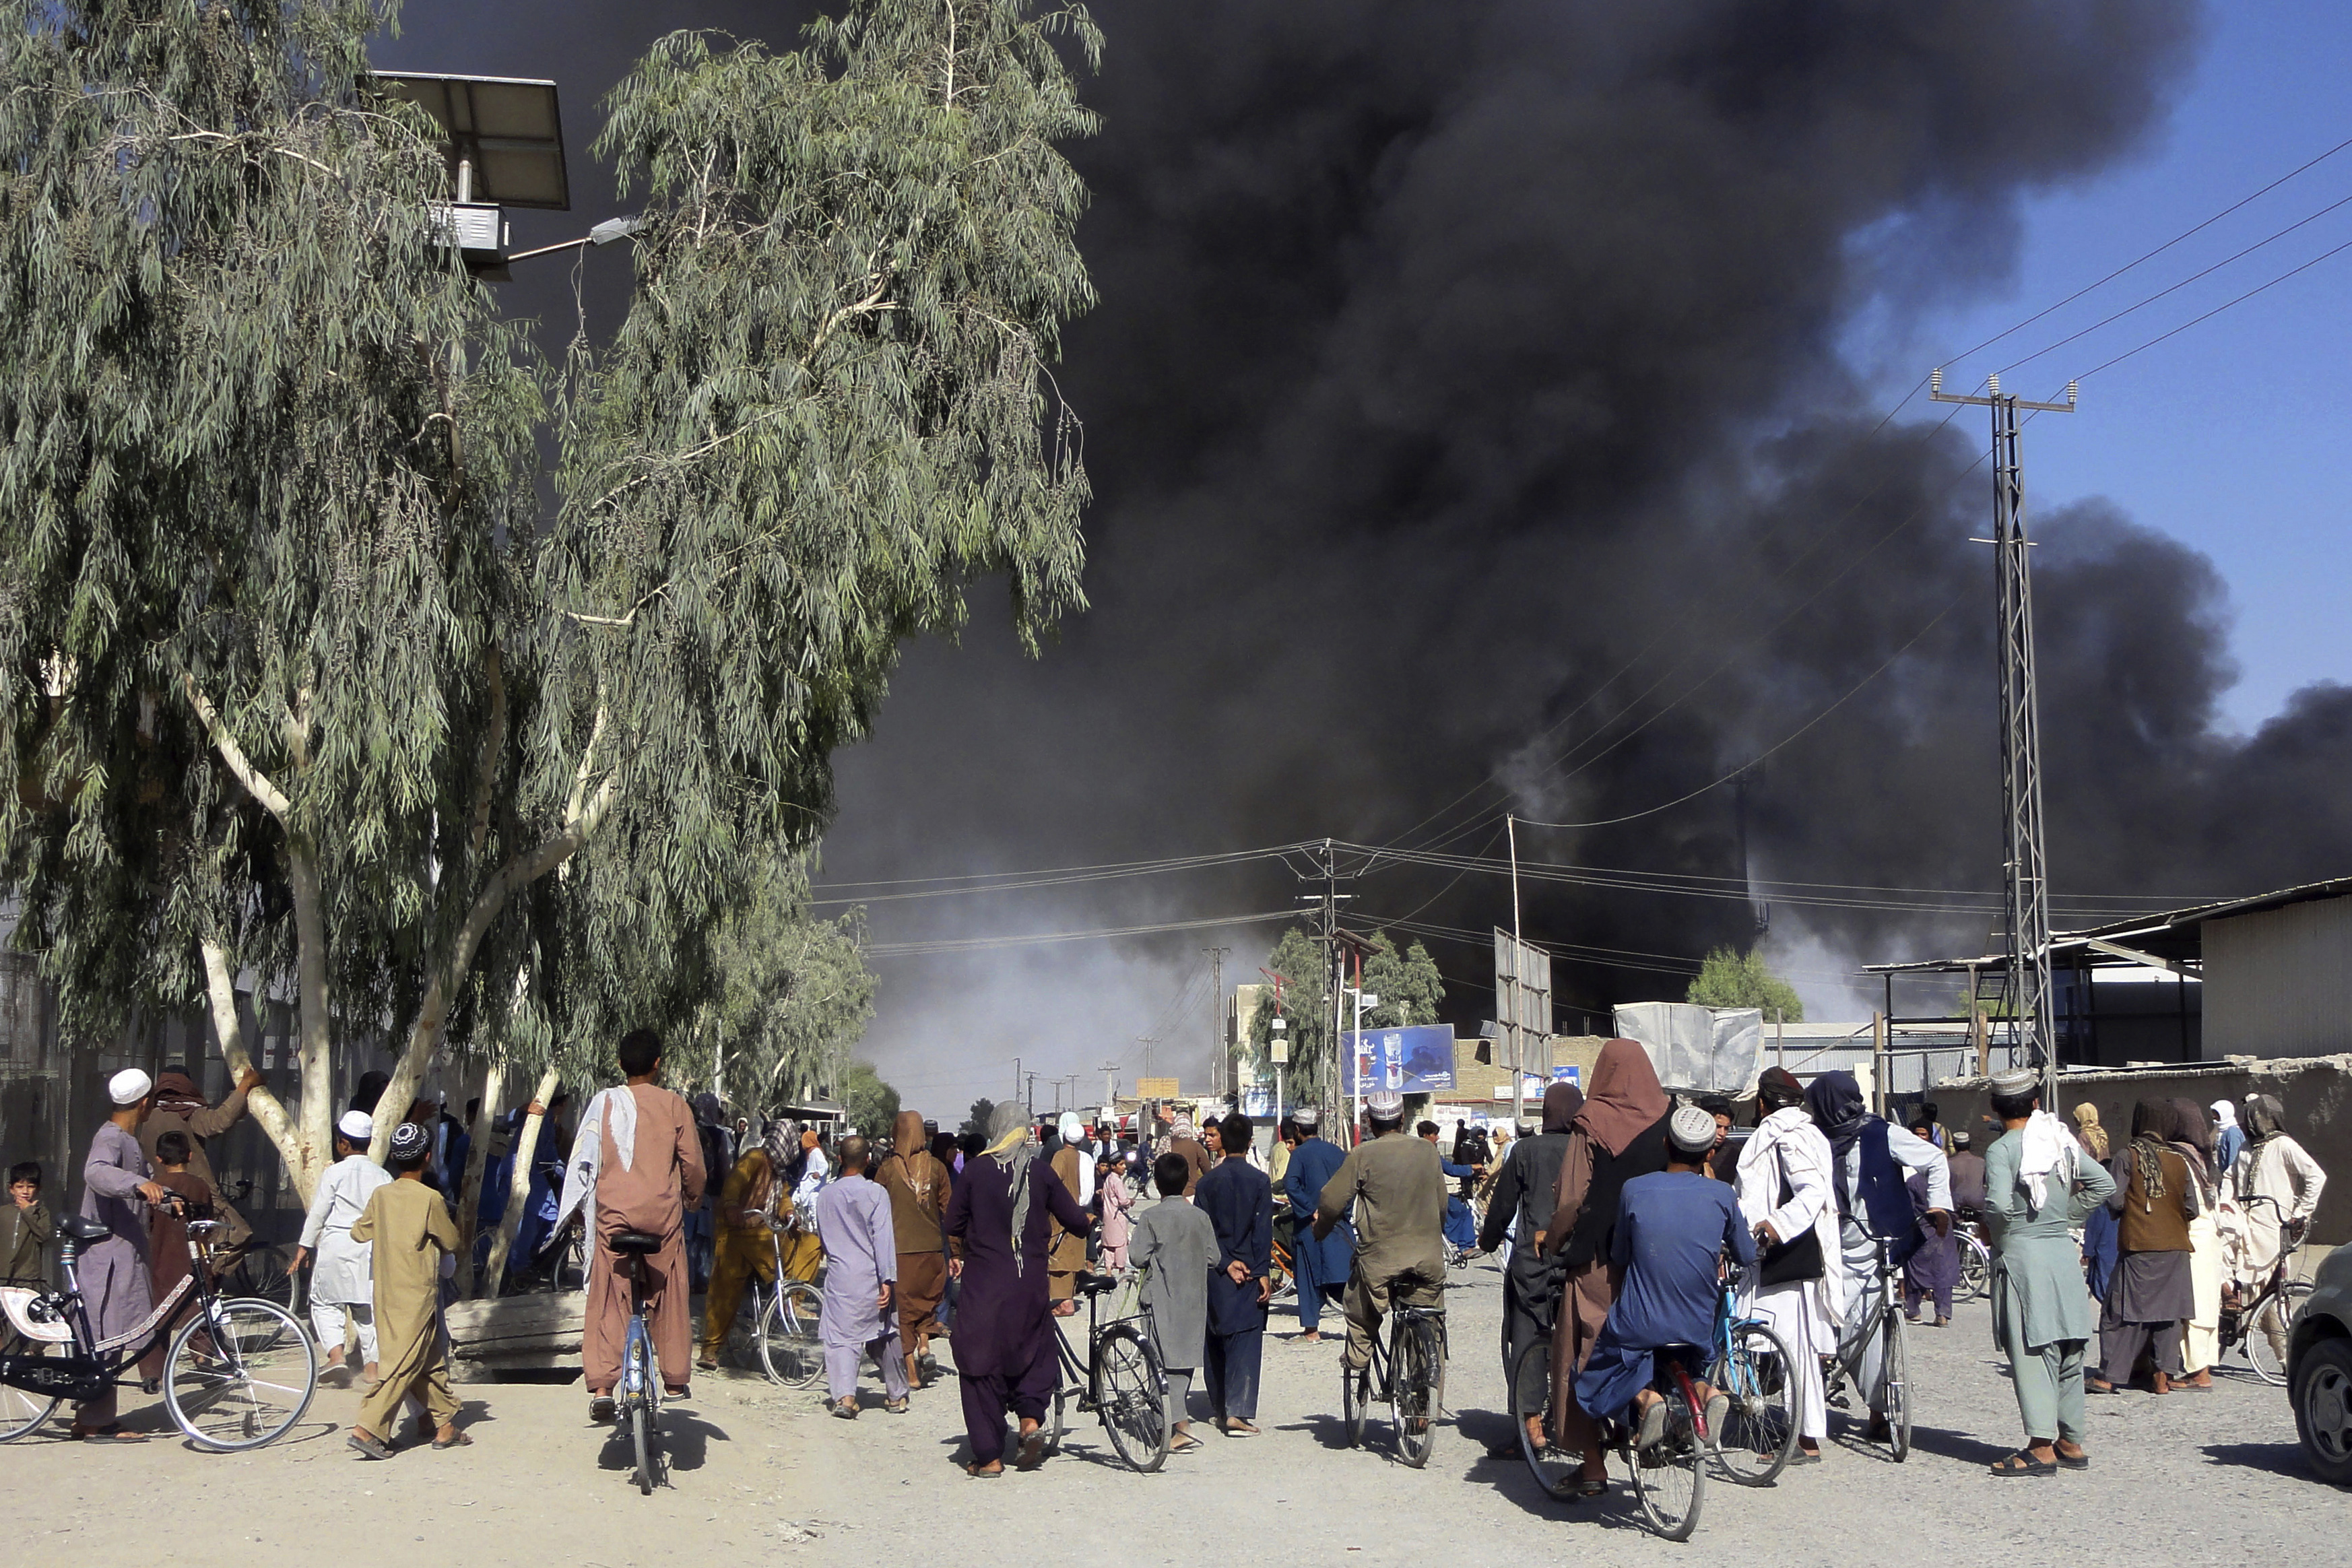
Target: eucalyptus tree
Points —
{"points": [[296, 681]]}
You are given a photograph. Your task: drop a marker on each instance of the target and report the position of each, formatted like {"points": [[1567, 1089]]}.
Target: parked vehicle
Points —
{"points": [[2320, 1369]]}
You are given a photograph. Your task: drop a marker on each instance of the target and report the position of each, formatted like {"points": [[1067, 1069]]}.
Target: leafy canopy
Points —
{"points": [[1731, 979]]}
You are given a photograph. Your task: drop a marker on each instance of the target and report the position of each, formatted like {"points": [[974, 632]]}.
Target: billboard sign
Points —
{"points": [[1155, 1089], [1412, 1061]]}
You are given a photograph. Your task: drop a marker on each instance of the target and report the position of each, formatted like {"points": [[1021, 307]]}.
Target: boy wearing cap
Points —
{"points": [[342, 1285], [1674, 1227], [412, 1231]]}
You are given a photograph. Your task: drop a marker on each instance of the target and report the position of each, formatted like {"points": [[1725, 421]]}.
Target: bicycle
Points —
{"points": [[2259, 1327], [784, 1325], [1670, 1475], [240, 1374], [636, 1402], [1122, 1379], [1750, 1367], [1407, 1374], [1976, 1259], [1884, 1321]]}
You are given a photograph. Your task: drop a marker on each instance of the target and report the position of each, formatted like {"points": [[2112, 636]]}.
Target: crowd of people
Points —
{"points": [[1617, 1218]]}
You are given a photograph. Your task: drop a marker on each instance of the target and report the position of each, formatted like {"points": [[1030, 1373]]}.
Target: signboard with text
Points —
{"points": [[1411, 1061], [1155, 1089]]}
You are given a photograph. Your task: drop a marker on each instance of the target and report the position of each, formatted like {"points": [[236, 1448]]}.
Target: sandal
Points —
{"points": [[985, 1472], [2075, 1462], [1183, 1443], [2022, 1463], [454, 1440], [369, 1447], [112, 1433]]}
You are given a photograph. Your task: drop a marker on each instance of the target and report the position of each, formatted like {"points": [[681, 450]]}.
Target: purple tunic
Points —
{"points": [[1004, 1324], [853, 1220], [117, 1291]]}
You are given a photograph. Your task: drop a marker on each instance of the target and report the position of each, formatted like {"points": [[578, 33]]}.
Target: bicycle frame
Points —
{"points": [[93, 1366]]}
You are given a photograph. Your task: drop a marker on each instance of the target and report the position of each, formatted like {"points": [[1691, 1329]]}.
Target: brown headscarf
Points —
{"points": [[1561, 1101], [2191, 1133], [2152, 1129], [176, 1092], [1625, 1102], [2093, 1137], [916, 1183]]}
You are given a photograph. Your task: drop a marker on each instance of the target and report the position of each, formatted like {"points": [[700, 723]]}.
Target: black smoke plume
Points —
{"points": [[1470, 372]]}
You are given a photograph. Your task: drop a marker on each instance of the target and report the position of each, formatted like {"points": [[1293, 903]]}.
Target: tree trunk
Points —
{"points": [[220, 991], [470, 1189], [310, 1017], [518, 1186]]}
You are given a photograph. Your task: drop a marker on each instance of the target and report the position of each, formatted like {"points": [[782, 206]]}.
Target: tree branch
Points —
{"points": [[486, 777], [257, 783]]}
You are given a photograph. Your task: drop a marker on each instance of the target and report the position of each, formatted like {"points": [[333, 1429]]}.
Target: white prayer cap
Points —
{"points": [[1385, 1105], [1306, 1116], [129, 1087], [356, 1125], [1691, 1131]]}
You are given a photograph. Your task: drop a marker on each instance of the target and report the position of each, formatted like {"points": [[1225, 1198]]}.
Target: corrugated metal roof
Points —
{"points": [[2169, 934]]}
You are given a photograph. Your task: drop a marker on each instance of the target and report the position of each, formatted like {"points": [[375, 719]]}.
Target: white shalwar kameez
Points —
{"points": [[1911, 1153], [342, 1280], [1788, 1152]]}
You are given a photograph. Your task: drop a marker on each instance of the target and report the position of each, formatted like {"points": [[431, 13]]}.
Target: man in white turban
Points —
{"points": [[119, 1192]]}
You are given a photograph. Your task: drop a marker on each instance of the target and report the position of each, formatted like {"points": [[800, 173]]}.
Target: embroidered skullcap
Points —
{"points": [[1385, 1105], [409, 1141], [1306, 1118], [2016, 1081], [356, 1125], [1692, 1130], [129, 1087]]}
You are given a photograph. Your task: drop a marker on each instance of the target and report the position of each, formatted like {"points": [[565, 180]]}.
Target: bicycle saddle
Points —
{"points": [[85, 1231], [636, 1241], [1095, 1284]]}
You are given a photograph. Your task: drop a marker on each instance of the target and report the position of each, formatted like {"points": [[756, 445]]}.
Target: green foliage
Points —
{"points": [[871, 1104], [1407, 983], [1298, 958], [975, 1124], [1727, 978]]}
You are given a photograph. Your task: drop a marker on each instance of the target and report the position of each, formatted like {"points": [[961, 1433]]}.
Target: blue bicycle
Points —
{"points": [[1750, 1365], [636, 1402]]}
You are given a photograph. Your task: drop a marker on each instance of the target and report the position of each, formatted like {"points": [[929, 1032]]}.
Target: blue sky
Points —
{"points": [[2229, 437]]}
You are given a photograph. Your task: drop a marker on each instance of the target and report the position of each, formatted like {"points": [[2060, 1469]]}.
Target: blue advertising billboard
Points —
{"points": [[1411, 1061]]}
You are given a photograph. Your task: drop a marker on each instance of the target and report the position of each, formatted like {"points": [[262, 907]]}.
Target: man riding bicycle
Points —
{"points": [[1397, 1190]]}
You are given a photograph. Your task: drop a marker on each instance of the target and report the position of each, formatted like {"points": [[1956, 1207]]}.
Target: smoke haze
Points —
{"points": [[1478, 390]]}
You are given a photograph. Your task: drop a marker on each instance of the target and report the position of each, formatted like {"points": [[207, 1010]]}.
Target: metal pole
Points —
{"points": [[1519, 961], [1220, 1056]]}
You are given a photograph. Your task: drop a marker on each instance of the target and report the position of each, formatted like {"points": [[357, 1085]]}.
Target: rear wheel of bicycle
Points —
{"points": [[1671, 1477], [1897, 1345], [1132, 1397], [22, 1411], [1355, 1401], [1554, 1469], [1759, 1431], [640, 1378], [1417, 1390], [791, 1353], [1976, 1270], [240, 1376], [641, 1436], [2266, 1332]]}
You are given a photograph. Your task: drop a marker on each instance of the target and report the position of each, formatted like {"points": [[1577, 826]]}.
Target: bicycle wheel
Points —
{"points": [[22, 1411], [1355, 1401], [790, 1351], [240, 1376], [1976, 1269], [1671, 1477], [259, 1275], [1131, 1397], [1897, 1347], [2265, 1341], [1759, 1431], [641, 1421], [1554, 1469], [640, 1379], [1417, 1391]]}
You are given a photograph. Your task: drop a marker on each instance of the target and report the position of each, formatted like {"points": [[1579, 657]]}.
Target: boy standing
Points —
{"points": [[26, 1228], [1673, 1229], [412, 1231], [341, 1284], [167, 1230], [861, 1252], [1176, 1244]]}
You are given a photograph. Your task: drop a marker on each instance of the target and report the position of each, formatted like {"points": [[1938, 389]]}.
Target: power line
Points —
{"points": [[1014, 881], [2214, 311], [983, 943]]}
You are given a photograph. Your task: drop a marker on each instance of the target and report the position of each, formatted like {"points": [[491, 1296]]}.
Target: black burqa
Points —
{"points": [[1531, 1283]]}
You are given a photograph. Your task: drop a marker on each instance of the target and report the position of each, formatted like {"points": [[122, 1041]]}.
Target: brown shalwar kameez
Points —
{"points": [[651, 1193], [917, 1186], [1068, 1258], [410, 1229]]}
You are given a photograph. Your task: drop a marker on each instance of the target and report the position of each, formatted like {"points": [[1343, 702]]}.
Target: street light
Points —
{"points": [[503, 138]]}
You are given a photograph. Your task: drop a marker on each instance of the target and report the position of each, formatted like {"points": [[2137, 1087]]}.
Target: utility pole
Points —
{"points": [[1334, 1098], [1029, 1100], [1111, 1087], [1219, 1058], [1518, 950], [2026, 986]]}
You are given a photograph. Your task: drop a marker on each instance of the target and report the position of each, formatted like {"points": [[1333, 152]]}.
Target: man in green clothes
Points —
{"points": [[2038, 1183]]}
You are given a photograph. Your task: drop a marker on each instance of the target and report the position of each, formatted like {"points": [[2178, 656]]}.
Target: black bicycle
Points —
{"points": [[240, 1374], [1407, 1374], [1121, 1380]]}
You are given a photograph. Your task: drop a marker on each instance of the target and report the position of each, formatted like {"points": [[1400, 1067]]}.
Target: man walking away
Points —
{"points": [[1004, 1332], [744, 1247], [1320, 1262], [2151, 1293], [853, 1218], [2038, 1185], [1075, 1168], [1175, 1246], [1871, 1157], [1674, 1229], [119, 1192], [1521, 1205], [636, 1165], [1784, 1187], [412, 1234], [1398, 1194], [1239, 1200], [343, 1281], [917, 1186]]}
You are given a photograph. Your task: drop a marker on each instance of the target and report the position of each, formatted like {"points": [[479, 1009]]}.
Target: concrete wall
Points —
{"points": [[2316, 1091], [2279, 983]]}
